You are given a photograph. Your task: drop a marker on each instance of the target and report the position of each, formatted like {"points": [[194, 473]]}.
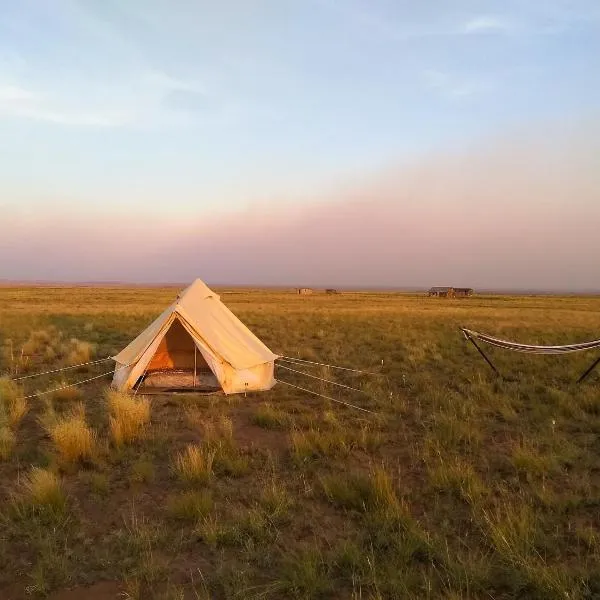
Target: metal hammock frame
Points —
{"points": [[471, 336]]}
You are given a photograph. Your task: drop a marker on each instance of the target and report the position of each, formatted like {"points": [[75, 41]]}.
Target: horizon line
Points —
{"points": [[246, 285]]}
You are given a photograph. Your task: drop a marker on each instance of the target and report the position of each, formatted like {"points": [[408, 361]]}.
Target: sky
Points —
{"points": [[322, 142]]}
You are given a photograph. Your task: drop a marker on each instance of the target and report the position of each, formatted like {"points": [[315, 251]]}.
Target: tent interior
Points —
{"points": [[177, 365]]}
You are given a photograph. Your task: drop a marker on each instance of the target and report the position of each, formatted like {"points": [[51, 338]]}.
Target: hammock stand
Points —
{"points": [[471, 336]]}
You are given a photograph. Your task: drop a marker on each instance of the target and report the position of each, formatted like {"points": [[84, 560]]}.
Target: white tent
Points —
{"points": [[197, 334]]}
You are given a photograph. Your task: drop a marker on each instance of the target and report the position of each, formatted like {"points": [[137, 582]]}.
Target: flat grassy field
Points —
{"points": [[458, 484]]}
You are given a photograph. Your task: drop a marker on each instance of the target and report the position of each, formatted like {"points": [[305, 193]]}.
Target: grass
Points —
{"points": [[276, 502], [97, 483], [12, 402], [195, 464], [129, 415], [42, 491], [73, 438], [218, 431], [314, 443], [142, 471], [457, 476], [66, 394], [515, 535], [78, 352], [191, 505], [305, 574], [268, 417], [364, 492], [7, 442], [459, 485], [244, 529]]}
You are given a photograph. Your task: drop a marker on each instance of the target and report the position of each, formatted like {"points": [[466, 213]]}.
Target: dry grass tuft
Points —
{"points": [[191, 505], [456, 475], [142, 471], [195, 464], [14, 405], [42, 490], [372, 492], [7, 442], [78, 352], [129, 416], [268, 417], [37, 342], [276, 502], [306, 445], [218, 431], [98, 483], [71, 394], [72, 436]]}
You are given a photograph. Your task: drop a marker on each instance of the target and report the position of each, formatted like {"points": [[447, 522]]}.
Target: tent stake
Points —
{"points": [[594, 365], [487, 360]]}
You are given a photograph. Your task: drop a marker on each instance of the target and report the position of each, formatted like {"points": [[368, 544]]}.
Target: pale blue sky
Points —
{"points": [[189, 109]]}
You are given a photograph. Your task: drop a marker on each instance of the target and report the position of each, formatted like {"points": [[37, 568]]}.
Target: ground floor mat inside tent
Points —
{"points": [[178, 380]]}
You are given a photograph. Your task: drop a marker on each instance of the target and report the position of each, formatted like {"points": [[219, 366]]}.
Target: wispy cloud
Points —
{"points": [[147, 99], [456, 86], [21, 103], [535, 18], [12, 94], [112, 84], [488, 24]]}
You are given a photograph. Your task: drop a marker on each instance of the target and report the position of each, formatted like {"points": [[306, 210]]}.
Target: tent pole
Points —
{"points": [[594, 364], [487, 360], [195, 362]]}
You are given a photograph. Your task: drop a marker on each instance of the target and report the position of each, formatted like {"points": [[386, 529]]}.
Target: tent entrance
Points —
{"points": [[177, 364]]}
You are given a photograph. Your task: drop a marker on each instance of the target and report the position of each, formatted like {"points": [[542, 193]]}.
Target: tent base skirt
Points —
{"points": [[183, 380]]}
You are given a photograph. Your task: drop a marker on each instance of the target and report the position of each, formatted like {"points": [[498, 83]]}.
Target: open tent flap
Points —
{"points": [[174, 348], [177, 350]]}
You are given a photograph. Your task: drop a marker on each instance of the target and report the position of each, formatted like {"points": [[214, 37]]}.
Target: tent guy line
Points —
{"points": [[312, 362], [322, 379], [326, 397], [70, 385], [101, 360], [91, 362]]}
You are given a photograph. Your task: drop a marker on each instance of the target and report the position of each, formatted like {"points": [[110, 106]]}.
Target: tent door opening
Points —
{"points": [[177, 365]]}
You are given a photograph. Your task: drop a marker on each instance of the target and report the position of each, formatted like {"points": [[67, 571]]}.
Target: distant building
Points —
{"points": [[442, 292], [463, 292], [331, 291], [305, 291], [450, 292]]}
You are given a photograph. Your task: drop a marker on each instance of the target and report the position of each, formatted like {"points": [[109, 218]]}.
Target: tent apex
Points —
{"points": [[198, 290]]}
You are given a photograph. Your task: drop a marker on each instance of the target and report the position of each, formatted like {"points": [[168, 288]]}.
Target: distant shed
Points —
{"points": [[441, 292], [463, 292], [305, 291], [450, 292]]}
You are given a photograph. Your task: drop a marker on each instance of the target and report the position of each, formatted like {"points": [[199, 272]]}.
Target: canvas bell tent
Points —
{"points": [[196, 343]]}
